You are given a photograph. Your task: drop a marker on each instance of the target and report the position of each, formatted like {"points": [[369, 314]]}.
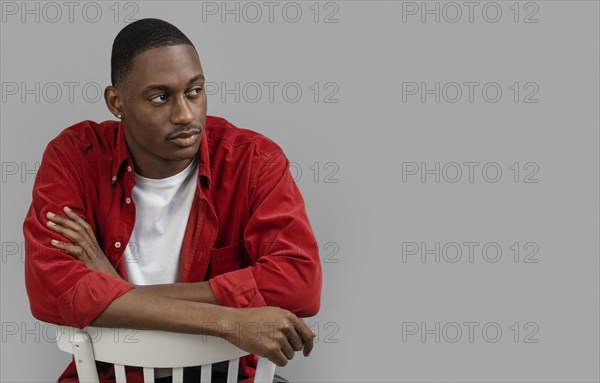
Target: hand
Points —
{"points": [[85, 247], [269, 332]]}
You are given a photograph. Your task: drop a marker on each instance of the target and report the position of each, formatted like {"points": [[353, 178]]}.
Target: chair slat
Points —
{"points": [[205, 373], [178, 375], [148, 374], [120, 373], [84, 358], [265, 370], [232, 371]]}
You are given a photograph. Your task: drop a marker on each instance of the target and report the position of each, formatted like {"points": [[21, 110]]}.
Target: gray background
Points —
{"points": [[381, 301]]}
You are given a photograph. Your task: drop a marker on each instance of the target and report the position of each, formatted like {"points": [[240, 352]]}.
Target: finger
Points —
{"points": [[78, 219], [61, 229], [294, 338], [89, 244], [278, 358], [308, 346], [77, 233], [306, 334], [75, 251], [287, 350], [77, 238], [64, 221]]}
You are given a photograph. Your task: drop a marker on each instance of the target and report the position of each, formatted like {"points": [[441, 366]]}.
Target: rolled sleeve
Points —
{"points": [[286, 270], [61, 289], [237, 289], [90, 295]]}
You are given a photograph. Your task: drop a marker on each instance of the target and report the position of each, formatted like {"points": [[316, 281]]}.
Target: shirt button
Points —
{"points": [[114, 178], [128, 200], [117, 244], [129, 169]]}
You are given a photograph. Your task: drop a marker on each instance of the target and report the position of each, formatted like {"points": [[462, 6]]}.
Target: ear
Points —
{"points": [[113, 100]]}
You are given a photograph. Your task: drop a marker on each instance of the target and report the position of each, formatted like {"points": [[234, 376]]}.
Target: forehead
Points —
{"points": [[166, 65]]}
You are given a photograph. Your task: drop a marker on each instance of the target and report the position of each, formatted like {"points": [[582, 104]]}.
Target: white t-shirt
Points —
{"points": [[162, 208]]}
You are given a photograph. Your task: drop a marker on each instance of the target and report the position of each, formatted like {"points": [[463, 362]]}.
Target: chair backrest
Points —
{"points": [[152, 349]]}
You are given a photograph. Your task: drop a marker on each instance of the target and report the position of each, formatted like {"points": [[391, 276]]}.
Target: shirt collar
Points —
{"points": [[122, 154]]}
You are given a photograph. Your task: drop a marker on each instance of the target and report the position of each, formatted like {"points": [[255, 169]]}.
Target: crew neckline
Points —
{"points": [[171, 179]]}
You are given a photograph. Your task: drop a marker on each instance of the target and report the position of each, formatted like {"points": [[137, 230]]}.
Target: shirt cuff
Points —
{"points": [[237, 289], [89, 297]]}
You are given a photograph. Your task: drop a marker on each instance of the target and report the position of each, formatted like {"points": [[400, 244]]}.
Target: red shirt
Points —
{"points": [[248, 232]]}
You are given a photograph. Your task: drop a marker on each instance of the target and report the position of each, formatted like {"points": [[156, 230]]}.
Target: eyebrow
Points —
{"points": [[167, 88]]}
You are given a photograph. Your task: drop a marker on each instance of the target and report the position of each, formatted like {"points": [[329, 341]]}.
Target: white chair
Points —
{"points": [[152, 349]]}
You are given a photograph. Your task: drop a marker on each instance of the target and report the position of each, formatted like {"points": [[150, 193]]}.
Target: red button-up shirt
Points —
{"points": [[247, 233]]}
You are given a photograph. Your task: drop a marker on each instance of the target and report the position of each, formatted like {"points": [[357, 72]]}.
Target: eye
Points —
{"points": [[159, 99], [195, 91]]}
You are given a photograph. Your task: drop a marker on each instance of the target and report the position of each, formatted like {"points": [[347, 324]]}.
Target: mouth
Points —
{"points": [[185, 139]]}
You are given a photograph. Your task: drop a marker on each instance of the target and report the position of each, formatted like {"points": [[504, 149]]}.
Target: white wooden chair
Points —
{"points": [[152, 349]]}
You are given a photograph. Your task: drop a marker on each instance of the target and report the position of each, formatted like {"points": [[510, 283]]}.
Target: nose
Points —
{"points": [[181, 113]]}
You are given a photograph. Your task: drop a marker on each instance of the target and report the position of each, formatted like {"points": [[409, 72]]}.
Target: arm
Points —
{"points": [[279, 333], [81, 234], [60, 289], [194, 291], [286, 270]]}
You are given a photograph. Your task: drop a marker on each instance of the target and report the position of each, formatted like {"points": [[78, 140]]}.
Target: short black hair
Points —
{"points": [[137, 38]]}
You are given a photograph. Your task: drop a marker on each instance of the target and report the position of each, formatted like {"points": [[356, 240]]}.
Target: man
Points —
{"points": [[169, 219]]}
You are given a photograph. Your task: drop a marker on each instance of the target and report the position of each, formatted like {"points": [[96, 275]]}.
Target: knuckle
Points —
{"points": [[280, 338], [289, 315], [288, 327]]}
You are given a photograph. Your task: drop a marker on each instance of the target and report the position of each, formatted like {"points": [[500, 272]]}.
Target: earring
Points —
{"points": [[119, 116]]}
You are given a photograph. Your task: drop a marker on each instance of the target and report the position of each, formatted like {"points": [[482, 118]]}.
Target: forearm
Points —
{"points": [[139, 309], [195, 292], [275, 333]]}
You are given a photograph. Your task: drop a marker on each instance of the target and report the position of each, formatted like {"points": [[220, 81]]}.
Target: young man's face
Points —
{"points": [[163, 97]]}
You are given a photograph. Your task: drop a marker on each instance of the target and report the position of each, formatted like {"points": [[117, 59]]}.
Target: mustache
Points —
{"points": [[191, 128]]}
